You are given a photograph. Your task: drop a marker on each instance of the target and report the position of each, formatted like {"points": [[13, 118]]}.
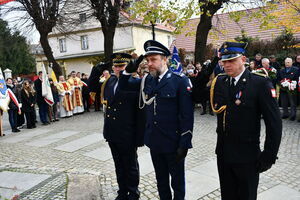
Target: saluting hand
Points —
{"points": [[133, 65]]}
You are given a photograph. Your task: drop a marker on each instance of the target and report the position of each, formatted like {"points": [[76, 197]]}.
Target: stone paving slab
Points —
{"points": [[51, 138], [80, 143], [198, 185], [208, 169], [83, 187], [24, 136], [280, 192], [13, 183], [102, 154], [202, 180], [9, 193], [145, 163]]}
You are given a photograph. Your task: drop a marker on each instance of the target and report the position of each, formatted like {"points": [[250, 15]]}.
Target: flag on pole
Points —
{"points": [[53, 76], [175, 61], [46, 89], [4, 96], [5, 1]]}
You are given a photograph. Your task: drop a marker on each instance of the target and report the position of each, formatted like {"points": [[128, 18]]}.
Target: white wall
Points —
{"points": [[142, 34], [122, 40]]}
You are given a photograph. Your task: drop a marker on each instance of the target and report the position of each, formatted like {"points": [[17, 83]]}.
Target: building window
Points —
{"points": [[62, 45], [82, 17], [84, 42]]}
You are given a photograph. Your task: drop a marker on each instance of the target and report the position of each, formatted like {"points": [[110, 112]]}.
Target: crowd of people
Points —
{"points": [[285, 78], [70, 97]]}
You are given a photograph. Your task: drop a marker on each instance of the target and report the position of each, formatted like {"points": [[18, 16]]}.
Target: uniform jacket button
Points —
{"points": [[108, 107], [107, 115], [120, 102], [155, 122], [114, 118], [115, 109]]}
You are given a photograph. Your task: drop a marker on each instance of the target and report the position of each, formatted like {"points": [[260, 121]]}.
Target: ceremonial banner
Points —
{"points": [[175, 61], [4, 95], [5, 1], [46, 89]]}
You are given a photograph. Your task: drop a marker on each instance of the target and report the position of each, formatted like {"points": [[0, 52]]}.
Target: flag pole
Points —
{"points": [[1, 128]]}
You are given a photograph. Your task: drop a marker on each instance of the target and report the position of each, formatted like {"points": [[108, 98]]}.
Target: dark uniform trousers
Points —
{"points": [[285, 99], [165, 165], [238, 150], [127, 169], [238, 181]]}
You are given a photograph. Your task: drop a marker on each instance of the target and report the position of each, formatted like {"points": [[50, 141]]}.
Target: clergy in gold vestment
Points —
{"points": [[76, 85], [65, 98]]}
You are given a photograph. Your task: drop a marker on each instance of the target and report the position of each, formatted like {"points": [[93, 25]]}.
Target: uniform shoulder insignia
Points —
{"points": [[259, 74]]}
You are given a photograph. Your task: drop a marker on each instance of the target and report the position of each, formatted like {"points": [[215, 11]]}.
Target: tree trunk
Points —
{"points": [[49, 54], [109, 34], [203, 29]]}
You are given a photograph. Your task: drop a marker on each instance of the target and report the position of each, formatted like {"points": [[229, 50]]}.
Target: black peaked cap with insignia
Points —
{"points": [[120, 58], [154, 47], [232, 50]]}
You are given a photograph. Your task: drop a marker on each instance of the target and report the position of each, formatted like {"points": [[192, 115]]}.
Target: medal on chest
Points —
{"points": [[238, 98]]}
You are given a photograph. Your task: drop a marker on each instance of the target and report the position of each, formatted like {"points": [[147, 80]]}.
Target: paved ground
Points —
{"points": [[70, 160]]}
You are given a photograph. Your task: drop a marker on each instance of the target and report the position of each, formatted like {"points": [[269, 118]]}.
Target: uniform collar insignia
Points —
{"points": [[169, 75], [244, 80]]}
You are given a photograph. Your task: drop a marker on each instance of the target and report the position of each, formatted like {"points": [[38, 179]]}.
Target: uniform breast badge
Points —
{"points": [[238, 98]]}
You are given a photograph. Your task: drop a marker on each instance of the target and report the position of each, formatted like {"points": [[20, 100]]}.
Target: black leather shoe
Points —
{"points": [[15, 130], [203, 113], [293, 118], [284, 117], [121, 197]]}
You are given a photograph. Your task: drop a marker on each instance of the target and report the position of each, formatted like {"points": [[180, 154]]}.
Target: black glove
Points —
{"points": [[263, 166], [133, 65], [181, 154]]}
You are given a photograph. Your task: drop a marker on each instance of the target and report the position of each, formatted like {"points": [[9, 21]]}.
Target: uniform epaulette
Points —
{"points": [[259, 74], [179, 74], [222, 74]]}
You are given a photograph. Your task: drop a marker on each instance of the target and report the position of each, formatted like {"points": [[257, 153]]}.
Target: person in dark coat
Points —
{"points": [[53, 114], [43, 106], [85, 93], [13, 108], [240, 98], [169, 118], [28, 99], [121, 129], [274, 63], [291, 74]]}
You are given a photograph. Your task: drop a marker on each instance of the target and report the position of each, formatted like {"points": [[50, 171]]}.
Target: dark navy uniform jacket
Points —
{"points": [[239, 130], [121, 117], [170, 118]]}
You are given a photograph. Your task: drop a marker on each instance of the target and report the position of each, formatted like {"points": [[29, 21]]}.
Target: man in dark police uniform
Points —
{"points": [[240, 98], [120, 129], [166, 97]]}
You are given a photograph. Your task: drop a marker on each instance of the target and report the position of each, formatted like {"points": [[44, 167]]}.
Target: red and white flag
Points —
{"points": [[46, 89], [5, 1]]}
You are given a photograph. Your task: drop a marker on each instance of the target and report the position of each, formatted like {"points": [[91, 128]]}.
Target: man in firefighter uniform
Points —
{"points": [[240, 98]]}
